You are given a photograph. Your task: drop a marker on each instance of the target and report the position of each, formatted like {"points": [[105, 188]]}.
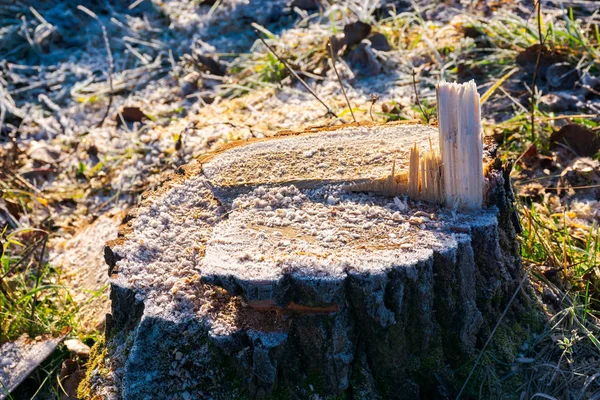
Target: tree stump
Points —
{"points": [[289, 267]]}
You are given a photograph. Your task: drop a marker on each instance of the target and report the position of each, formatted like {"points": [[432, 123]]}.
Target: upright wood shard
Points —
{"points": [[461, 144], [413, 180], [452, 175]]}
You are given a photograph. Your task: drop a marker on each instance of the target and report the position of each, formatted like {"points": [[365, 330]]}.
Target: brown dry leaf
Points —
{"points": [[582, 141], [379, 42], [131, 114], [558, 102], [70, 376], [582, 173], [338, 43], [562, 75], [536, 161], [356, 32], [210, 64], [527, 59], [529, 153]]}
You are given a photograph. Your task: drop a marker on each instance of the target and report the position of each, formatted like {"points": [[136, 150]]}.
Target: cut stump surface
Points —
{"points": [[270, 262]]}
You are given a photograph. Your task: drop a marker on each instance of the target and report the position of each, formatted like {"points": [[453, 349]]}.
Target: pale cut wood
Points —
{"points": [[461, 144]]}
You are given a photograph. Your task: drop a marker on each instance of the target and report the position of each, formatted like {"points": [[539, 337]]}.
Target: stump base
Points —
{"points": [[248, 275]]}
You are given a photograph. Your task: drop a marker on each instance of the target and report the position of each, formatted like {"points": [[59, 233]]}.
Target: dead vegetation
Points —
{"points": [[185, 81]]}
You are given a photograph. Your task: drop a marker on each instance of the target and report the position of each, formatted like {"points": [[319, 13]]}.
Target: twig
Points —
{"points": [[496, 85], [252, 131], [285, 64], [374, 99], [340, 79], [489, 339], [23, 258], [135, 4], [37, 276], [573, 187], [109, 59], [426, 115], [214, 7], [537, 67], [24, 182]]}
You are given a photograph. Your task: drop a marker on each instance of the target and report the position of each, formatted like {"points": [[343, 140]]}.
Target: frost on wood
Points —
{"points": [[293, 264]]}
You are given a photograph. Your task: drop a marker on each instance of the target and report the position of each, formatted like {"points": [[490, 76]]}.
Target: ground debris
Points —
{"points": [[130, 114], [355, 32], [77, 347], [20, 358], [578, 139]]}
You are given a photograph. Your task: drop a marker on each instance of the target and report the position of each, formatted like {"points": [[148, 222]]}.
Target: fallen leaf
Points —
{"points": [[531, 192], [527, 59], [338, 43], [356, 32], [562, 76], [131, 114], [70, 376], [582, 172], [365, 60], [582, 141], [530, 152], [558, 102], [210, 64], [379, 42]]}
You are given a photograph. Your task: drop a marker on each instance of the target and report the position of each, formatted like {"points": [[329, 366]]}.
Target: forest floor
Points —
{"points": [[100, 102]]}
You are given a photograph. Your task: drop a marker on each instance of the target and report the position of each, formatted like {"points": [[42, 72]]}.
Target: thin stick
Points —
{"points": [[374, 99], [135, 4], [109, 59], [489, 339], [285, 64], [340, 79], [537, 67], [37, 276], [417, 95], [496, 85]]}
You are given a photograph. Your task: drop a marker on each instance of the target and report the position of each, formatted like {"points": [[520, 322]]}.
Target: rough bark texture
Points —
{"points": [[399, 330]]}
